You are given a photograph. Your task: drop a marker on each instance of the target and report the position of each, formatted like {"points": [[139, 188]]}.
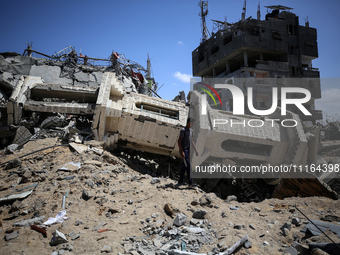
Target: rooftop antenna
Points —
{"points": [[204, 12], [148, 68], [225, 22], [307, 22], [244, 10], [258, 12]]}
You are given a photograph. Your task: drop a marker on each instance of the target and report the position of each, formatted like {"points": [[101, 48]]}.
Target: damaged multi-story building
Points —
{"points": [[249, 52]]}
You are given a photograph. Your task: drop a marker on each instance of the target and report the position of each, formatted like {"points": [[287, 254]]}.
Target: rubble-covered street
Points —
{"points": [[111, 208]]}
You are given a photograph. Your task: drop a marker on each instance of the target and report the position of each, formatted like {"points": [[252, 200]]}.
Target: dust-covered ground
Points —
{"points": [[112, 208]]}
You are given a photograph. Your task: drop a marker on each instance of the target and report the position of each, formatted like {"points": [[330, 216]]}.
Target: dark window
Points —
{"points": [[227, 39], [277, 36], [200, 57], [155, 109], [214, 49]]}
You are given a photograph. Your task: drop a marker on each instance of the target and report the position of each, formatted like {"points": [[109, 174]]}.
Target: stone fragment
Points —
{"points": [[106, 249], [180, 220], [247, 245], [199, 214], [239, 227], [170, 210], [12, 235], [257, 209], [194, 202], [86, 195], [155, 180], [205, 200], [252, 227], [221, 244], [157, 242], [296, 221], [291, 251], [285, 232], [58, 238], [16, 206], [195, 221], [265, 243], [287, 225], [12, 148], [231, 198]]}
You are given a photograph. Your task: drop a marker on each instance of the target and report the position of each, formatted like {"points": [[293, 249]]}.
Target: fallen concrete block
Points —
{"points": [[58, 238]]}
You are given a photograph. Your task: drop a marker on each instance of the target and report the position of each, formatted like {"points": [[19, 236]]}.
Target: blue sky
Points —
{"points": [[168, 30]]}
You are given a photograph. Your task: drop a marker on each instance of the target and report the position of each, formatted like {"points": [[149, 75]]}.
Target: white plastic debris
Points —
{"points": [[61, 216], [71, 166]]}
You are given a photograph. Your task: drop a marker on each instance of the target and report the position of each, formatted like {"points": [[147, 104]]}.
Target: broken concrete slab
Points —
{"points": [[321, 225], [12, 235], [80, 148], [180, 220], [58, 238], [50, 74]]}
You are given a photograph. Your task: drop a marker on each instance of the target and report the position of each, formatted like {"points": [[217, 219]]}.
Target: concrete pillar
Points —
{"points": [[245, 58]]}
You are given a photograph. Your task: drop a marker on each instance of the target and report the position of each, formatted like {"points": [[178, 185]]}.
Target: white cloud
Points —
{"points": [[180, 43], [329, 103], [183, 77]]}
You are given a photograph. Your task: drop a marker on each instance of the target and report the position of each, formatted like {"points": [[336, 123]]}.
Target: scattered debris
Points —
{"points": [[58, 238], [61, 216], [43, 231]]}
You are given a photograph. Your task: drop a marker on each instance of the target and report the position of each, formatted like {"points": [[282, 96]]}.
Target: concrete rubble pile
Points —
{"points": [[81, 199], [42, 101]]}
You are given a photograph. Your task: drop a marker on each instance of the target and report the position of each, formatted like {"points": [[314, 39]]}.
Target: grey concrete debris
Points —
{"points": [[287, 225], [26, 223], [199, 214], [231, 198], [247, 245], [257, 209], [16, 205], [205, 200], [180, 220], [58, 238], [252, 227], [106, 249], [239, 227], [155, 180], [291, 251], [285, 231], [296, 221], [11, 148], [12, 235], [86, 195]]}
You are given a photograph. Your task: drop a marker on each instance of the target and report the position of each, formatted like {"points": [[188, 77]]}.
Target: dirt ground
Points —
{"points": [[112, 208]]}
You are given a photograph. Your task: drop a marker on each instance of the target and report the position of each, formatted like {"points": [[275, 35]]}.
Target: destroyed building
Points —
{"points": [[248, 52], [35, 88]]}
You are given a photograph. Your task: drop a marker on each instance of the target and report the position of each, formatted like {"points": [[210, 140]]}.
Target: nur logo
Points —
{"points": [[204, 98], [239, 99]]}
